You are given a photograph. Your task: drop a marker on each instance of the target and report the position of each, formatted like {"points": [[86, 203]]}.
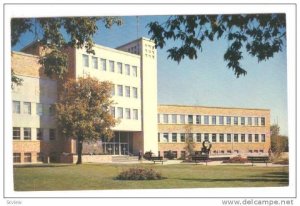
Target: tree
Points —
{"points": [[83, 111], [190, 144], [279, 143], [56, 34], [261, 35]]}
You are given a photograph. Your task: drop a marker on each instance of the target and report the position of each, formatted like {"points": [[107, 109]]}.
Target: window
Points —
{"points": [[242, 120], [111, 66], [228, 120], [236, 151], [198, 119], [85, 60], [256, 138], [228, 137], [135, 114], [16, 133], [174, 137], [221, 120], [158, 118], [174, 118], [120, 69], [120, 90], [27, 108], [127, 69], [214, 138], [40, 157], [134, 71], [52, 135], [113, 111], [39, 133], [120, 112], [190, 119], [261, 151], [27, 133], [127, 91], [17, 157], [250, 151], [175, 154], [206, 119], [127, 113], [27, 157], [135, 92], [182, 119], [256, 121], [113, 90], [103, 64], [214, 120], [249, 120], [51, 109], [16, 107], [165, 137], [243, 139], [263, 121], [190, 137], [228, 151], [236, 138], [236, 120], [206, 137], [221, 136], [165, 116], [95, 62], [39, 109], [249, 137], [182, 137], [263, 138], [158, 137], [198, 137]]}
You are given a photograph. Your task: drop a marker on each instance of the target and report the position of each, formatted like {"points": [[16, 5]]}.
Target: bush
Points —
{"points": [[148, 155], [139, 174], [237, 159], [170, 155]]}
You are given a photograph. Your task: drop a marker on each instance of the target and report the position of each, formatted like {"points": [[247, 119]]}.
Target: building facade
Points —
{"points": [[132, 69]]}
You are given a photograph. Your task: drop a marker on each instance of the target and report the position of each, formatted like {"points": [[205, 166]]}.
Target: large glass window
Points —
{"points": [[190, 119], [221, 120], [120, 69], [95, 62], [228, 120], [221, 137], [127, 91], [16, 107], [166, 119], [174, 118], [85, 60], [249, 137], [256, 121], [243, 139], [198, 137], [127, 69], [263, 121], [111, 66], [27, 133], [174, 137], [27, 157], [103, 64], [206, 137], [120, 112], [165, 137], [134, 71], [127, 113], [135, 114], [16, 133], [52, 134], [228, 137], [135, 92], [198, 119], [242, 120], [17, 157], [27, 107], [182, 137], [236, 138], [214, 138], [206, 119], [214, 120], [39, 109], [236, 120], [39, 133], [120, 90], [256, 138]]}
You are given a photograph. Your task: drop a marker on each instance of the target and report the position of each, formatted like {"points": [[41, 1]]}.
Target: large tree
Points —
{"points": [[54, 34], [260, 35], [279, 143], [83, 111]]}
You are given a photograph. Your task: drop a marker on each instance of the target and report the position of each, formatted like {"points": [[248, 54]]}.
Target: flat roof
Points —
{"points": [[180, 105]]}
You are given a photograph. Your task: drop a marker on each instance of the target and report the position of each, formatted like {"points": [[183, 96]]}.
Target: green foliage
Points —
{"points": [[170, 155], [260, 34], [83, 110], [139, 174], [15, 80], [279, 143]]}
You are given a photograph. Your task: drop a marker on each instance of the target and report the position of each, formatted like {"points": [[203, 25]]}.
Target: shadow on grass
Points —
{"points": [[42, 165]]}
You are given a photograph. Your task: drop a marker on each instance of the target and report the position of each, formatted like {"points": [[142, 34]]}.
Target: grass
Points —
{"points": [[102, 177]]}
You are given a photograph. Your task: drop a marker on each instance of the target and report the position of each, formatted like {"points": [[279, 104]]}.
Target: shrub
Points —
{"points": [[139, 174], [148, 155], [237, 159], [170, 155]]}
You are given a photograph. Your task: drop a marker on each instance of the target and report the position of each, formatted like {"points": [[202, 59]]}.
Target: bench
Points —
{"points": [[157, 159], [200, 158], [253, 159]]}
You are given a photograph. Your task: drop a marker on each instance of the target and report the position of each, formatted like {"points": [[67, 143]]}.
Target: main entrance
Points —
{"points": [[120, 144]]}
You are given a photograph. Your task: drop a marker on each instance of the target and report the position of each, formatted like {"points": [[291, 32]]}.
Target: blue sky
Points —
{"points": [[207, 81]]}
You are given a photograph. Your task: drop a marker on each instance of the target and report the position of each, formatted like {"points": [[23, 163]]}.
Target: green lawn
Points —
{"points": [[102, 176]]}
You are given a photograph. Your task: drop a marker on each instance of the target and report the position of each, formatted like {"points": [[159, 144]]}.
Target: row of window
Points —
{"points": [[129, 92], [27, 108], [209, 119], [26, 133], [183, 153], [129, 69], [200, 137], [124, 113], [27, 157]]}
